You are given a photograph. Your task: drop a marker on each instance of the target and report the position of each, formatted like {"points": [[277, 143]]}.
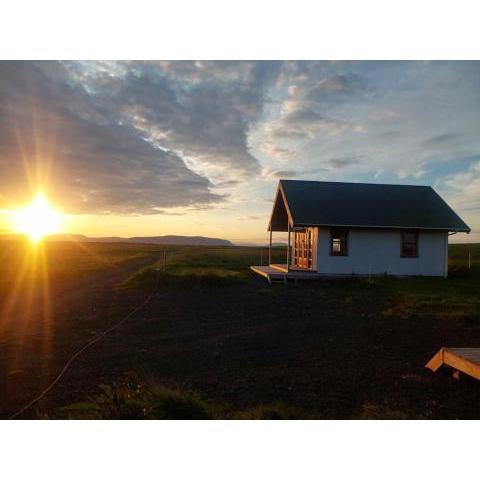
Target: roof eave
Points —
{"points": [[287, 208], [445, 229]]}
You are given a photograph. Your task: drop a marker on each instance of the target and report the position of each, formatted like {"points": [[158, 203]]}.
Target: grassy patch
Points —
{"points": [[454, 297], [32, 265], [185, 277], [188, 267], [134, 399]]}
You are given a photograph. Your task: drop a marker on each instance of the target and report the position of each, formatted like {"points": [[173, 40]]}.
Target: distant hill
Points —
{"points": [[160, 240]]}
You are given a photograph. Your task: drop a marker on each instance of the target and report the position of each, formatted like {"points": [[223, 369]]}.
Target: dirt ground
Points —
{"points": [[331, 349], [37, 337]]}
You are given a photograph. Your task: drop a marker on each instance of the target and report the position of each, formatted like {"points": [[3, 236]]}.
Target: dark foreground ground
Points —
{"points": [[329, 349]]}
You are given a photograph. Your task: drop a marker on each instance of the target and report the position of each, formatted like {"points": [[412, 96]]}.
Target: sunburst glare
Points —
{"points": [[37, 219]]}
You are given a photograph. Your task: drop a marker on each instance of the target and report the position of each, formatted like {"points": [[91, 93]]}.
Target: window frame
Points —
{"points": [[303, 248], [402, 243], [336, 233]]}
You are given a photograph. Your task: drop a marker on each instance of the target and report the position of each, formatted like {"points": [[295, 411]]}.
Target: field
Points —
{"points": [[216, 341]]}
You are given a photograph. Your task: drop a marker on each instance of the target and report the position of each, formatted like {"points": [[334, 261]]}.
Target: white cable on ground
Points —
{"points": [[81, 350]]}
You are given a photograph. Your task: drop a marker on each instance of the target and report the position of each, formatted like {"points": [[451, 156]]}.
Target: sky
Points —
{"points": [[197, 148]]}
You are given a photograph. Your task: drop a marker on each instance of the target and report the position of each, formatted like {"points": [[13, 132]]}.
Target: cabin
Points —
{"points": [[340, 229]]}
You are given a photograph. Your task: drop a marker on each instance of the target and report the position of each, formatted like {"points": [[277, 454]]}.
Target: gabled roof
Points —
{"points": [[308, 203]]}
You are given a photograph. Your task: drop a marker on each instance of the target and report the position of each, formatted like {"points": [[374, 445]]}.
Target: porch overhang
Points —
{"points": [[281, 217], [280, 221]]}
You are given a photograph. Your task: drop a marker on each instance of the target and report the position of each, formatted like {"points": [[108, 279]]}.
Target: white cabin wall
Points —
{"points": [[375, 252]]}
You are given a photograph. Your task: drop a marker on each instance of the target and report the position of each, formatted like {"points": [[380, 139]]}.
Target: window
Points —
{"points": [[302, 251], [409, 244], [338, 242]]}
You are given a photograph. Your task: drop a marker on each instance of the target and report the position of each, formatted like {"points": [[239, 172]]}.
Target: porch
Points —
{"points": [[280, 273], [300, 254]]}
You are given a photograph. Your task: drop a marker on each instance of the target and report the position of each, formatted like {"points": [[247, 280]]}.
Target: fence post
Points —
{"points": [[469, 259]]}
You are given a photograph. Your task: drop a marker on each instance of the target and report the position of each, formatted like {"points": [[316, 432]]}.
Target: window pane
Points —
{"points": [[338, 242], [409, 244], [409, 238]]}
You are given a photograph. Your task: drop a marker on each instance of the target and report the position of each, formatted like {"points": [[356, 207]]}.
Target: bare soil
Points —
{"points": [[345, 349]]}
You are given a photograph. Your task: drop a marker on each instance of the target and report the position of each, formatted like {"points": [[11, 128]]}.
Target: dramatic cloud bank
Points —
{"points": [[148, 137]]}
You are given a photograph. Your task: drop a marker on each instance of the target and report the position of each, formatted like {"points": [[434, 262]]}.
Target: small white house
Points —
{"points": [[337, 228]]}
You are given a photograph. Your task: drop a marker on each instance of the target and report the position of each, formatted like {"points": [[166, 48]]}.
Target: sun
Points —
{"points": [[37, 219]]}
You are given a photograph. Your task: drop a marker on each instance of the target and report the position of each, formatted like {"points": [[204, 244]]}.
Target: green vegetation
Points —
{"points": [[27, 263], [205, 267], [135, 398], [201, 267], [456, 297], [184, 277]]}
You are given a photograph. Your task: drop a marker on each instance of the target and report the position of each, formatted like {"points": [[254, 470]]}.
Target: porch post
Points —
{"points": [[270, 248], [288, 248]]}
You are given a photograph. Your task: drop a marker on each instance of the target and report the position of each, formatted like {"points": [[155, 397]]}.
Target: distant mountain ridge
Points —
{"points": [[158, 240]]}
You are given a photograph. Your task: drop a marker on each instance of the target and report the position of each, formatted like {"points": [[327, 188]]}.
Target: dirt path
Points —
{"points": [[34, 343]]}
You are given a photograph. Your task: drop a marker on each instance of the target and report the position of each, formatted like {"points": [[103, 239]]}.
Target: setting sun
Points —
{"points": [[37, 219]]}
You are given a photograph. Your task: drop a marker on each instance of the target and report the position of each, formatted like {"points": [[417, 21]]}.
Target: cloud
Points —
{"points": [[304, 113], [441, 140], [462, 191], [202, 111], [276, 152], [302, 116], [465, 188], [129, 137], [251, 217], [54, 132], [400, 121], [286, 174], [277, 174], [339, 88], [227, 183], [299, 121], [341, 162]]}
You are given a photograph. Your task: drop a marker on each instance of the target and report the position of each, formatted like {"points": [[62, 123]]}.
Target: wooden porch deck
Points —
{"points": [[279, 272], [466, 360]]}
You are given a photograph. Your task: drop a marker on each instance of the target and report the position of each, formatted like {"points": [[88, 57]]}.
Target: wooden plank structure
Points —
{"points": [[466, 360], [281, 273]]}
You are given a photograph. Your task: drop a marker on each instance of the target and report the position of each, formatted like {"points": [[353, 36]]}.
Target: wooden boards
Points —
{"points": [[466, 360], [279, 272]]}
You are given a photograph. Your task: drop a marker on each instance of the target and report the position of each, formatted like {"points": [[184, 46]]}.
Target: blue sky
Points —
{"points": [[198, 147]]}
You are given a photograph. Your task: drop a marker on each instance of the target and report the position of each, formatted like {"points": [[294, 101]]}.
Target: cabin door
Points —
{"points": [[302, 248]]}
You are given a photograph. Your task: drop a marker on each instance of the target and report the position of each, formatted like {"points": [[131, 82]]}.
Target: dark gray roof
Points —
{"points": [[363, 205]]}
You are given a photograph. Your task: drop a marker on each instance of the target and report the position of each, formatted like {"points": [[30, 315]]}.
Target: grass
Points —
{"points": [[136, 398], [200, 267], [184, 277], [455, 297], [60, 261], [205, 267]]}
